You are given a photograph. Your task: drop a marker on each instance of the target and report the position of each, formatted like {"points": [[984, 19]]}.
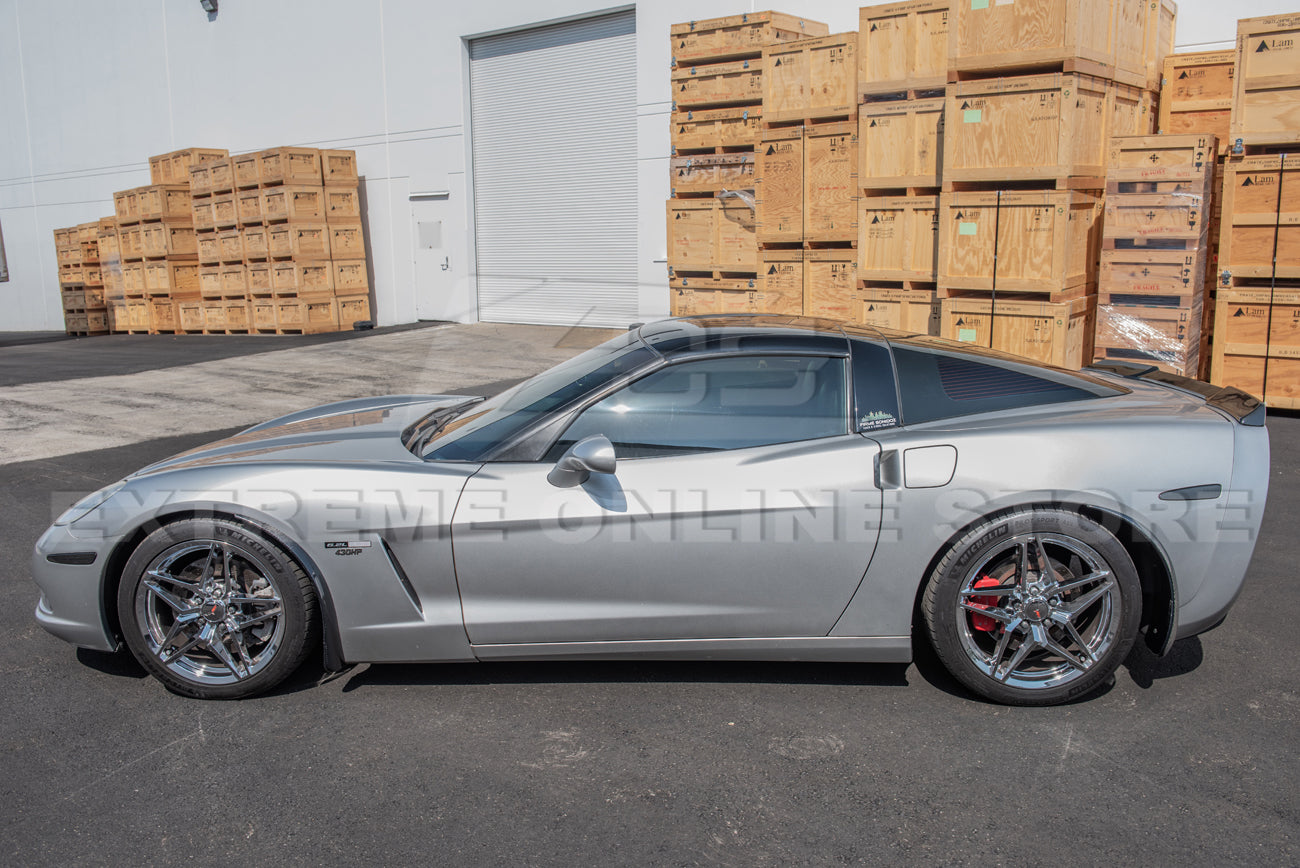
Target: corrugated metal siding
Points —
{"points": [[555, 187]]}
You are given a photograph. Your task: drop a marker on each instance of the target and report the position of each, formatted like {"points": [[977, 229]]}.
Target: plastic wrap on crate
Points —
{"points": [[743, 195], [1137, 338]]}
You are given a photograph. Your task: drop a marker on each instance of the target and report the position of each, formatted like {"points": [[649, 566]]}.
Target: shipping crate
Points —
{"points": [[716, 128], [225, 213], [1133, 111], [1167, 337], [163, 317], [347, 240], [830, 280], [262, 315], [1266, 109], [1058, 334], [1132, 273], [221, 176], [72, 274], [735, 244], [1259, 229], [126, 207], [289, 166], [711, 173], [1045, 242], [214, 317], [1036, 127], [133, 279], [717, 84], [738, 35], [172, 240], [1197, 95], [117, 322], [811, 79], [97, 322], [210, 281], [255, 243], [1107, 37], [164, 202], [234, 281], [898, 238], [1170, 220], [209, 247], [248, 206], [308, 315], [711, 235], [90, 274], [1137, 160], [174, 166], [108, 244], [900, 143], [830, 182], [353, 309], [915, 311], [245, 169], [138, 319], [94, 297], [259, 278], [298, 241], [201, 179], [176, 279], [779, 190], [231, 245], [189, 316], [73, 299], [302, 277], [293, 202], [342, 204], [201, 214], [350, 277], [903, 46], [75, 323], [237, 316], [129, 243], [339, 168], [782, 273], [689, 301], [1257, 344], [1159, 26]]}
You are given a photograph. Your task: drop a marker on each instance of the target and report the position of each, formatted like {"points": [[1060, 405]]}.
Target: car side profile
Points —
{"points": [[722, 488]]}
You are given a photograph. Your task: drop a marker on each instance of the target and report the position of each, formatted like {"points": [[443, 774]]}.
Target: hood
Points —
{"points": [[362, 430]]}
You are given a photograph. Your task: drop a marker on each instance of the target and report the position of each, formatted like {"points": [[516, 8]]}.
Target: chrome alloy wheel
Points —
{"points": [[1038, 611], [210, 611]]}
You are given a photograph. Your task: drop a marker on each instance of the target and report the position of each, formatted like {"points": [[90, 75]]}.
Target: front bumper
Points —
{"points": [[71, 604]]}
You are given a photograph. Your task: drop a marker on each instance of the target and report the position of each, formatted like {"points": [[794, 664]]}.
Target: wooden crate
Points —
{"points": [[738, 35], [230, 243], [302, 277], [830, 278], [248, 206], [903, 46], [73, 299], [352, 309], [72, 274], [900, 142], [255, 242], [126, 207], [94, 297], [129, 243], [201, 214], [189, 316], [91, 275], [1108, 37], [163, 317], [138, 318], [225, 212], [735, 245], [782, 273], [175, 279], [909, 310], [685, 301], [1159, 25], [339, 168], [308, 315], [172, 240], [1142, 272], [1257, 345], [811, 79], [234, 281], [174, 166], [214, 317], [1133, 111], [708, 129], [298, 241], [1197, 94], [1045, 242], [1171, 220], [1254, 220], [208, 245], [259, 278], [246, 172], [898, 238], [342, 204], [289, 166], [830, 182], [1058, 334], [76, 323], [717, 84], [200, 179], [97, 322], [221, 176], [117, 322], [1150, 159], [1266, 108], [108, 244], [711, 235], [293, 202], [779, 190], [237, 315], [711, 173], [350, 277], [1167, 337], [347, 240], [164, 202], [133, 279], [210, 281], [1036, 127], [261, 312]]}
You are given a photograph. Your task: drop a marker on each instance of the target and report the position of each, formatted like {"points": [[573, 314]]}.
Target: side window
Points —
{"points": [[715, 404], [875, 394]]}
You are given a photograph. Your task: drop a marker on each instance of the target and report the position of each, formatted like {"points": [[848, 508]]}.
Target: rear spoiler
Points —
{"points": [[1246, 409]]}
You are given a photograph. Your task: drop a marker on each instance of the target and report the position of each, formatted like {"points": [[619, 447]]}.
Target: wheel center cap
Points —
{"points": [[214, 611], [1037, 609]]}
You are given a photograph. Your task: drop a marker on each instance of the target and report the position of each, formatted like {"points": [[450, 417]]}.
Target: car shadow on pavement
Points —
{"points": [[1144, 667], [119, 663]]}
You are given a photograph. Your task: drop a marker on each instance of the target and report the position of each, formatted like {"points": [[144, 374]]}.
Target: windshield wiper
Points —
{"points": [[419, 434]]}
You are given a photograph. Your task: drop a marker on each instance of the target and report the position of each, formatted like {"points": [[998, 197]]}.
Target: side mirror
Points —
{"points": [[593, 455]]}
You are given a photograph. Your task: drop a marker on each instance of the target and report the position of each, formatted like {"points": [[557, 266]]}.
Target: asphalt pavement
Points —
{"points": [[1189, 759]]}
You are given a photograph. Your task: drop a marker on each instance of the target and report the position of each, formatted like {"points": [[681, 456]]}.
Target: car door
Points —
{"points": [[742, 506]]}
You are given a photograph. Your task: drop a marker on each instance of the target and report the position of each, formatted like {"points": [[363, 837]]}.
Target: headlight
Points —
{"points": [[91, 501]]}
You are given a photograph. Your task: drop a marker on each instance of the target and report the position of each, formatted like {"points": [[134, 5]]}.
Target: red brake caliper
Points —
{"points": [[984, 622]]}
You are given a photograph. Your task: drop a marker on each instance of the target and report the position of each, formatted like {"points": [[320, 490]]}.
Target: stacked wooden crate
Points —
{"points": [[81, 282], [110, 271], [1035, 91], [1156, 241], [718, 81], [1256, 341]]}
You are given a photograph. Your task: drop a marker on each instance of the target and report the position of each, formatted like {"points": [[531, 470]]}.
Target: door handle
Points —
{"points": [[889, 470]]}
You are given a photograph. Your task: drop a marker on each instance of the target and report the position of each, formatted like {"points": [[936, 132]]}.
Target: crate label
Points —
{"points": [[979, 4], [966, 335], [972, 116], [967, 228]]}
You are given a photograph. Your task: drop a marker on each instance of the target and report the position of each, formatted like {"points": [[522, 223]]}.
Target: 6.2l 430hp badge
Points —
{"points": [[345, 548]]}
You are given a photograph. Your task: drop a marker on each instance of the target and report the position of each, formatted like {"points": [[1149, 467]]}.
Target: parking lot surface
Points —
{"points": [[1191, 758]]}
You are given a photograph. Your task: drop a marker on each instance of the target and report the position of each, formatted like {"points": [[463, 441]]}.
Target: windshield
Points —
{"points": [[481, 427]]}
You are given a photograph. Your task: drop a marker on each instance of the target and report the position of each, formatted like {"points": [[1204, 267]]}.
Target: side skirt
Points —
{"points": [[827, 649]]}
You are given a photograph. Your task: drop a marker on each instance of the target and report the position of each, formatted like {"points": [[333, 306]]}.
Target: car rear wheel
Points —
{"points": [[1035, 608], [214, 610]]}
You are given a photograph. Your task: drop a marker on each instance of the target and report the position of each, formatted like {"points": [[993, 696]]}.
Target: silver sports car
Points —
{"points": [[732, 487]]}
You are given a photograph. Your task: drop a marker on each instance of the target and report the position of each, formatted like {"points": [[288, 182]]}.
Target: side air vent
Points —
{"points": [[401, 577]]}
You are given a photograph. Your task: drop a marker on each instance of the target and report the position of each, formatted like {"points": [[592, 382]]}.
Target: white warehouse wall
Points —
{"points": [[89, 90]]}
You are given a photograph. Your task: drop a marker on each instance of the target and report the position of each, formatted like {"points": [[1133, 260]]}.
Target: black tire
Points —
{"points": [[206, 637], [1074, 633]]}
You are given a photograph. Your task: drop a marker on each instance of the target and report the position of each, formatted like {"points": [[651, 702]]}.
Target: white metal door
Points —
{"points": [[554, 162], [434, 269]]}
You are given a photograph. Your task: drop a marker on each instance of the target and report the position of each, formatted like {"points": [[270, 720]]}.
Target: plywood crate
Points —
{"points": [[909, 310], [350, 277], [221, 176], [174, 166], [1142, 273], [164, 202], [73, 299], [308, 315], [133, 279], [246, 171], [1058, 334], [347, 240], [829, 281], [90, 274], [697, 302], [248, 206], [210, 281], [782, 272], [779, 190], [293, 202], [900, 143], [75, 323], [302, 277], [126, 207], [163, 317], [1108, 37], [711, 235], [72, 274], [707, 129], [1266, 109], [201, 179], [208, 245], [94, 297], [289, 166], [1159, 27], [259, 278], [237, 314], [1254, 220], [339, 168], [138, 318], [830, 182], [117, 323], [353, 309], [231, 245], [1133, 111], [1035, 127], [298, 240], [262, 315], [711, 173], [189, 316], [735, 248], [898, 238], [173, 240], [214, 316], [717, 84], [1197, 93], [97, 322], [1136, 160], [175, 279], [342, 204], [738, 35], [234, 281], [1167, 337], [201, 214], [1257, 344], [108, 244], [1172, 220], [811, 79], [225, 213], [1045, 242], [255, 243], [903, 46]]}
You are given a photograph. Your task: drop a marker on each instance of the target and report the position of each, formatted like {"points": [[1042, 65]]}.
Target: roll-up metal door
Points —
{"points": [[555, 186]]}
